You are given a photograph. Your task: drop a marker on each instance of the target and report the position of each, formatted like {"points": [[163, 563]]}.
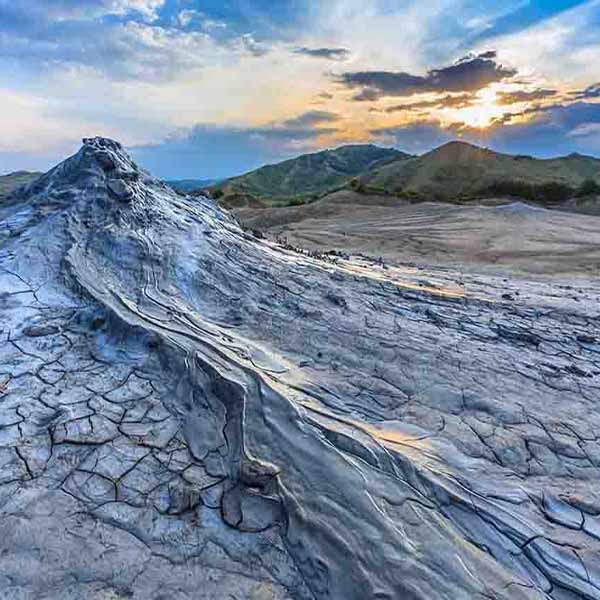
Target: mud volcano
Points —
{"points": [[189, 412]]}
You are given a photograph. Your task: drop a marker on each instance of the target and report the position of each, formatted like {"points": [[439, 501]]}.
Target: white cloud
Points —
{"points": [[188, 17], [31, 123], [586, 129], [185, 17], [563, 48], [146, 8], [139, 79], [412, 35]]}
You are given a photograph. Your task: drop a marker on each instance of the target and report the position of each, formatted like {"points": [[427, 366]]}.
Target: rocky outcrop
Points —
{"points": [[187, 411]]}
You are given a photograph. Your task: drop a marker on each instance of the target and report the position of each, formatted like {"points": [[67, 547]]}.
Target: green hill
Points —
{"points": [[189, 185], [12, 181], [310, 175], [460, 171]]}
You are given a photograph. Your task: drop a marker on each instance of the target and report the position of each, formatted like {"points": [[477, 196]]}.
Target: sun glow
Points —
{"points": [[482, 113]]}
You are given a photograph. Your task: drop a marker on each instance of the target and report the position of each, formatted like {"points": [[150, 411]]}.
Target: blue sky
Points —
{"points": [[209, 89]]}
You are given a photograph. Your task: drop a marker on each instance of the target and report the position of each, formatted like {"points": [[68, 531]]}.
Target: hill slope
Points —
{"points": [[189, 185], [12, 181], [459, 171], [311, 174]]}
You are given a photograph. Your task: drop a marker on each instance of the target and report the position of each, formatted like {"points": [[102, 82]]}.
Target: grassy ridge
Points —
{"points": [[458, 171], [310, 175], [12, 181], [189, 185]]}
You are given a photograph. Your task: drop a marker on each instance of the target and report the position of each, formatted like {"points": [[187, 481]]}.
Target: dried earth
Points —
{"points": [[189, 412], [492, 236]]}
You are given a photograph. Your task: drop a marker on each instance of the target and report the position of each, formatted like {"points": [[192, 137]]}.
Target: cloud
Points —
{"points": [[488, 54], [592, 91], [367, 95], [191, 18], [131, 50], [525, 15], [252, 46], [325, 53], [414, 138], [147, 8], [554, 130], [448, 101], [586, 129], [291, 132], [518, 96], [140, 69], [468, 74], [312, 118], [563, 47], [213, 151], [42, 12]]}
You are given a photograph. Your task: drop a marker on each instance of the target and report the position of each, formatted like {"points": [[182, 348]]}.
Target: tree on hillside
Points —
{"points": [[589, 187]]}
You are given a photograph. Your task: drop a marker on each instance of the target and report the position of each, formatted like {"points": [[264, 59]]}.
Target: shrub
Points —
{"points": [[589, 187], [553, 191], [357, 185]]}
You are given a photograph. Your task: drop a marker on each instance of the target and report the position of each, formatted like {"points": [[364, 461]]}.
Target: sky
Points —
{"points": [[213, 88]]}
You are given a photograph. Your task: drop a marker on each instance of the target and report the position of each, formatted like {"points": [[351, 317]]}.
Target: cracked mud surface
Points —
{"points": [[189, 412]]}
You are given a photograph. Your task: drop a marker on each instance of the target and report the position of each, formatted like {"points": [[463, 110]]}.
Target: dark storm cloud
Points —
{"points": [[506, 98], [324, 53], [469, 74]]}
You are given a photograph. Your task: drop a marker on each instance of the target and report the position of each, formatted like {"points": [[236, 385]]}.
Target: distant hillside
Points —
{"points": [[459, 171], [189, 185], [310, 175], [12, 181]]}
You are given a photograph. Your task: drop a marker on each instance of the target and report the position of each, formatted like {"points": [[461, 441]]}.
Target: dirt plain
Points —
{"points": [[493, 235]]}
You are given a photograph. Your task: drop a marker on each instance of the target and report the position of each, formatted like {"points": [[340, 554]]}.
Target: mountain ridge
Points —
{"points": [[12, 181], [454, 171], [462, 171], [309, 175]]}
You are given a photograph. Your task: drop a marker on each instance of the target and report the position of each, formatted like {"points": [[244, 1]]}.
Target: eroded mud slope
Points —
{"points": [[189, 412]]}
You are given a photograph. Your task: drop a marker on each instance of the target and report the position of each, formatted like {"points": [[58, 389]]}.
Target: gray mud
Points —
{"points": [[189, 412]]}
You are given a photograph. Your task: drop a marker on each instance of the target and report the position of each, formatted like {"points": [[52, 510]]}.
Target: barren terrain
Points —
{"points": [[188, 411], [493, 236]]}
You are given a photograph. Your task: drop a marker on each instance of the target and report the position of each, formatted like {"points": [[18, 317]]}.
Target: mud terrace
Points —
{"points": [[189, 412]]}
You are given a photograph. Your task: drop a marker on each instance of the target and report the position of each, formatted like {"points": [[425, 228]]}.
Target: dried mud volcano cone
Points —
{"points": [[189, 412]]}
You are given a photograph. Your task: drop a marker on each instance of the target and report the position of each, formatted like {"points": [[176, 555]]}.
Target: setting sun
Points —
{"points": [[482, 112]]}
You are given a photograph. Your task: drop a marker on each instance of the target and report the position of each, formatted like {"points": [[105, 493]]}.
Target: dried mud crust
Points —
{"points": [[187, 411]]}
